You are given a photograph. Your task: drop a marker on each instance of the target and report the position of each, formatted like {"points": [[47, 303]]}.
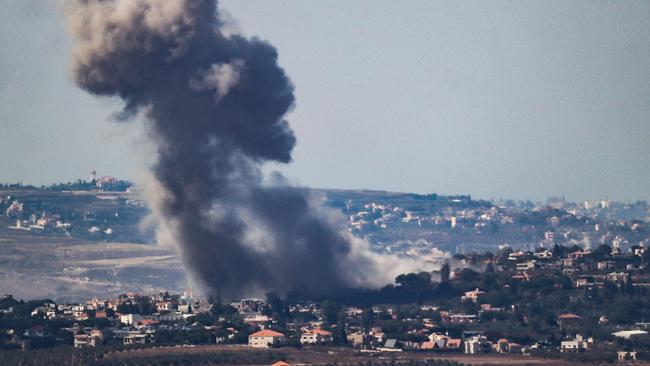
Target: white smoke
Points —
{"points": [[220, 78]]}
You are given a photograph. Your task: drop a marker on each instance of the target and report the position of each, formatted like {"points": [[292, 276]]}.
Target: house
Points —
{"points": [[164, 306], [95, 338], [462, 318], [524, 266], [441, 342], [569, 319], [266, 338], [82, 340], [136, 338], [358, 339], [147, 322], [577, 344], [490, 308], [472, 295], [567, 262], [626, 356], [390, 346], [502, 346], [37, 331], [477, 344], [316, 336], [604, 265], [281, 363], [377, 335], [618, 277], [454, 343], [515, 256]]}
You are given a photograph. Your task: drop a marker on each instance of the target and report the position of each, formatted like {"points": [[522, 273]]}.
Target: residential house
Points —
{"points": [[477, 344], [316, 336], [82, 340], [577, 344], [569, 319], [358, 339], [137, 338], [266, 338], [525, 266], [502, 346], [472, 295]]}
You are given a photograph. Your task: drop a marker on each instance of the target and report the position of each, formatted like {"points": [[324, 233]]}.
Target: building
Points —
{"points": [[472, 295], [281, 363], [136, 338], [577, 344], [316, 336], [266, 338], [477, 344], [526, 266], [82, 340], [629, 334], [502, 346], [569, 319], [358, 339], [618, 277], [626, 356]]}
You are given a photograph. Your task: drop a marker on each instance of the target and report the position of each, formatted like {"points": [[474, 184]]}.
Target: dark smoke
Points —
{"points": [[216, 105]]}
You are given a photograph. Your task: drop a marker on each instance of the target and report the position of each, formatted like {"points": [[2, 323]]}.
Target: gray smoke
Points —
{"points": [[215, 104]]}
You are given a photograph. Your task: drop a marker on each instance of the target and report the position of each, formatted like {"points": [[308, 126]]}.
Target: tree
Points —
{"points": [[468, 275], [367, 318], [277, 307], [331, 311], [445, 272]]}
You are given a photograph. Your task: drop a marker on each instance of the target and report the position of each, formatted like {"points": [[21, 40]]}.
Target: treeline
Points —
{"points": [[78, 185], [82, 185]]}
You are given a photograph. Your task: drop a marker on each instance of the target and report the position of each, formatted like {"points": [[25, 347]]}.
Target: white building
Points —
{"points": [[577, 344], [627, 334], [472, 295], [316, 336], [477, 344], [266, 338]]}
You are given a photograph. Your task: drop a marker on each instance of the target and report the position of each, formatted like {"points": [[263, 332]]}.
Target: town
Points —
{"points": [[565, 303], [556, 281]]}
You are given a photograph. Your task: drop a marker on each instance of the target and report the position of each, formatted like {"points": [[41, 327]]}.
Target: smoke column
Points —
{"points": [[215, 106]]}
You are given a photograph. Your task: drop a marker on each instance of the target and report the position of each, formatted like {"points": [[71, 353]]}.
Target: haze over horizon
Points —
{"points": [[517, 101]]}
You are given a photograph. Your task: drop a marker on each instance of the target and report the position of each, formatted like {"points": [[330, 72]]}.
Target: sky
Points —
{"points": [[497, 99]]}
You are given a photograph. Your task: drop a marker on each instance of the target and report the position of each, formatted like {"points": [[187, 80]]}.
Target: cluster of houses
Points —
{"points": [[175, 313], [617, 267], [561, 223]]}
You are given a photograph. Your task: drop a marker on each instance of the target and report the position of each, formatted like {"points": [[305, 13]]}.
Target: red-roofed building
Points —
{"points": [[502, 346], [146, 322], [266, 338], [316, 336], [568, 319], [454, 343]]}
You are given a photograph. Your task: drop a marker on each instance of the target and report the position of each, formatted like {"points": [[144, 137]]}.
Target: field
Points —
{"points": [[65, 269], [322, 356]]}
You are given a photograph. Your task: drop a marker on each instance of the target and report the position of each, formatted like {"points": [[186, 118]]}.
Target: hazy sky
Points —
{"points": [[495, 99]]}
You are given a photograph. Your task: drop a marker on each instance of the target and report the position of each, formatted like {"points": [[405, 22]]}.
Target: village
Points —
{"points": [[473, 305]]}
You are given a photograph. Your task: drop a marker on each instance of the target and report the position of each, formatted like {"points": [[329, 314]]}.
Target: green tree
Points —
{"points": [[445, 272]]}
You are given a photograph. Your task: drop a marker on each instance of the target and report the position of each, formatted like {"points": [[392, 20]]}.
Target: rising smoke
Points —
{"points": [[215, 105]]}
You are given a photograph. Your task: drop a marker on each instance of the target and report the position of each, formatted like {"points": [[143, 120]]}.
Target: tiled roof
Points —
{"points": [[267, 333]]}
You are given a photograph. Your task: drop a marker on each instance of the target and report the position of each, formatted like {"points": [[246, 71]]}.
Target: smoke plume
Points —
{"points": [[215, 104]]}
